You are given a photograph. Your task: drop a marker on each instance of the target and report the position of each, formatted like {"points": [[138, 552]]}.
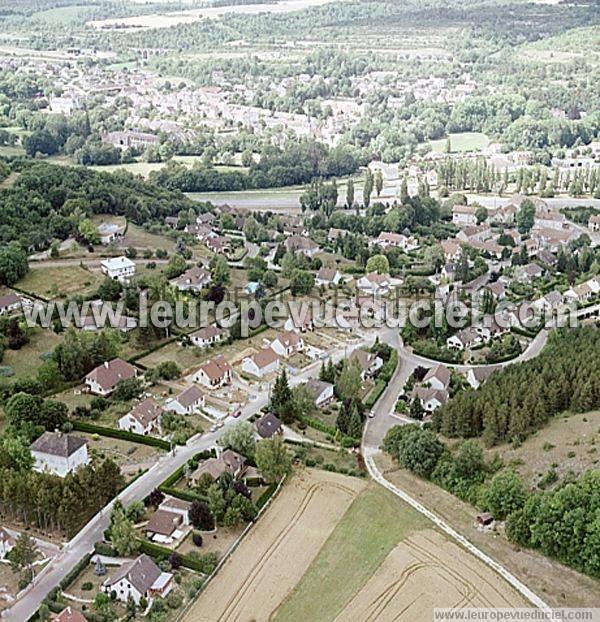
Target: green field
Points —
{"points": [[57, 282], [27, 360], [465, 141], [62, 15], [353, 552]]}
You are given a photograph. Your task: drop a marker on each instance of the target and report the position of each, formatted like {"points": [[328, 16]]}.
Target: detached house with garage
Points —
{"points": [[119, 268], [209, 336], [268, 426], [193, 280], [141, 578], [320, 391], [438, 377], [261, 364], [214, 374], [287, 344], [144, 418], [58, 453], [328, 276], [106, 377], [190, 401], [368, 363]]}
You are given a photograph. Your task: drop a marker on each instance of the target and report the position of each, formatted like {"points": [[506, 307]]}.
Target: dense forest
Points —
{"points": [[521, 398], [47, 202]]}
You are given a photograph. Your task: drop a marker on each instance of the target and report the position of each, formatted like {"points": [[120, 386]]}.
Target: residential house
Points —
{"points": [[287, 344], [141, 578], [551, 301], [68, 614], [464, 215], [172, 222], [143, 418], [594, 223], [268, 426], [9, 303], [474, 233], [583, 292], [193, 280], [531, 271], [130, 139], [396, 240], [451, 249], [7, 543], [187, 402], [478, 375], [438, 377], [465, 338], [302, 246], [334, 234], [208, 219], [302, 322], [177, 506], [375, 284], [110, 232], [321, 392], [227, 462], [119, 268], [497, 289], [106, 377], [58, 453], [208, 336], [203, 233], [215, 373], [546, 257], [164, 527], [368, 362], [328, 276], [219, 244], [431, 399], [261, 364]]}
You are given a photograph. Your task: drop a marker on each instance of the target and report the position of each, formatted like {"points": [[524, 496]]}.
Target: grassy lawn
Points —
{"points": [[59, 282], [27, 360], [352, 553], [464, 141], [140, 238]]}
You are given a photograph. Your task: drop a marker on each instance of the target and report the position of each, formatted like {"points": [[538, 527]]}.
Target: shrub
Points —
{"points": [[87, 586], [197, 539]]}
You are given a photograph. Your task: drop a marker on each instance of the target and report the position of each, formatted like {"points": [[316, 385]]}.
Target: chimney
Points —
{"points": [[106, 364]]}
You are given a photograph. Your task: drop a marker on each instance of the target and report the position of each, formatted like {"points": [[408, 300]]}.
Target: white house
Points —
{"points": [[261, 364], [368, 362], [464, 338], [177, 506], [594, 223], [208, 336], [120, 268], [106, 377], [478, 375], [9, 303], [189, 401], [215, 373], [109, 232], [193, 280], [58, 453], [287, 344], [164, 527], [7, 543], [321, 392], [438, 377], [464, 215], [376, 284], [139, 578], [431, 399], [144, 418], [328, 276], [396, 240]]}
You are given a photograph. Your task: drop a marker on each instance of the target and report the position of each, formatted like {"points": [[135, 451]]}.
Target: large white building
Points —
{"points": [[58, 453], [120, 268]]}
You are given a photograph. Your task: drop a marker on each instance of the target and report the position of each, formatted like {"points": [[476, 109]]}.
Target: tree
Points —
{"points": [[13, 263], [219, 270], [201, 516], [88, 231], [122, 532], [419, 451], [175, 267], [416, 409], [350, 194], [505, 494], [301, 282], [481, 214], [526, 216], [16, 336], [21, 407], [128, 390], [368, 188], [379, 264], [349, 381], [23, 555], [240, 437], [281, 398], [110, 290], [155, 498], [272, 459], [378, 182]]}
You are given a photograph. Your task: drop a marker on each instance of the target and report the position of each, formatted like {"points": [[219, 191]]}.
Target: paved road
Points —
{"points": [[93, 531]]}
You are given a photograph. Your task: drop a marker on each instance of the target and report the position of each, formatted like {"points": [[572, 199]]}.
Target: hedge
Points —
{"points": [[326, 429], [161, 553], [124, 435], [375, 394], [184, 495], [81, 565], [266, 495]]}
